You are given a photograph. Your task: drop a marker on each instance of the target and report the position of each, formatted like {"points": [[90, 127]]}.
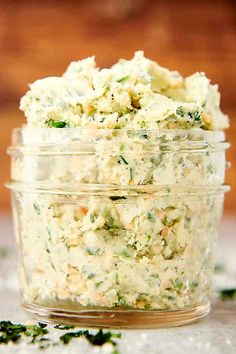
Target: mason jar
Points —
{"points": [[115, 227]]}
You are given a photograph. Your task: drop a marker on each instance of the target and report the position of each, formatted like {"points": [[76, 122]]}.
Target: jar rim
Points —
{"points": [[93, 189], [71, 137]]}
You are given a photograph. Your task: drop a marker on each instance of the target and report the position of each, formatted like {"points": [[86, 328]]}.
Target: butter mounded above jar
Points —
{"points": [[136, 94]]}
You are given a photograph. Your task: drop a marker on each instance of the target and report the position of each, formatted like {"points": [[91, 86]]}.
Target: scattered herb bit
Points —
{"points": [[228, 294], [36, 331], [10, 332], [181, 161], [64, 327], [219, 268], [196, 116], [99, 338], [122, 147], [210, 168], [92, 251], [114, 198], [123, 79], [150, 217], [37, 208], [194, 285], [131, 173], [142, 124], [143, 134], [55, 123], [180, 111], [178, 284], [121, 158], [92, 217]]}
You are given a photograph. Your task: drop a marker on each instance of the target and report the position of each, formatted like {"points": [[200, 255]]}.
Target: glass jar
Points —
{"points": [[117, 228]]}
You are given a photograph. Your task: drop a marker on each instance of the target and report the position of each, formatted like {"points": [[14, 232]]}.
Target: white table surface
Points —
{"points": [[215, 335]]}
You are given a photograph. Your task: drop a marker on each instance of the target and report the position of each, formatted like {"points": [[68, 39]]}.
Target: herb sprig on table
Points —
{"points": [[228, 294], [11, 332]]}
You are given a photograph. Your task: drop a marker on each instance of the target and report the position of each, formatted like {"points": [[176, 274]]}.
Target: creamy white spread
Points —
{"points": [[136, 93], [125, 247]]}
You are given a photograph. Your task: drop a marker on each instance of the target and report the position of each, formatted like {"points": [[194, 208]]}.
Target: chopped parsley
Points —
{"points": [[13, 333], [114, 198], [228, 294], [122, 159], [196, 116], [99, 338], [150, 217], [64, 327], [56, 123], [180, 111], [36, 208], [123, 79]]}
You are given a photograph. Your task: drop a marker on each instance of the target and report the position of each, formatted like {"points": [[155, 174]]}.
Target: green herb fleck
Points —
{"points": [[114, 198], [36, 208], [98, 339], [131, 173], [180, 111], [123, 79], [56, 123], [178, 284], [150, 217], [121, 158], [196, 116], [122, 147], [92, 251], [219, 268], [181, 161], [228, 294], [92, 217], [10, 332], [210, 168], [64, 327]]}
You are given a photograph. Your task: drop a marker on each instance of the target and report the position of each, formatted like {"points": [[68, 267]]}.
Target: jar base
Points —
{"points": [[126, 319]]}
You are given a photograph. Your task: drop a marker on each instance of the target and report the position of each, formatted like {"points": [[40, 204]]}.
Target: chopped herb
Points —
{"points": [[64, 327], [37, 208], [114, 198], [181, 161], [92, 217], [194, 285], [36, 331], [210, 168], [121, 158], [143, 134], [219, 268], [56, 123], [180, 111], [131, 173], [10, 332], [92, 251], [123, 79], [178, 284], [142, 124], [196, 116], [122, 147], [99, 338], [228, 294], [150, 217]]}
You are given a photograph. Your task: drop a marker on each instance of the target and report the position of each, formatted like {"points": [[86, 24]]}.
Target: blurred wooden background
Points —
{"points": [[40, 38]]}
